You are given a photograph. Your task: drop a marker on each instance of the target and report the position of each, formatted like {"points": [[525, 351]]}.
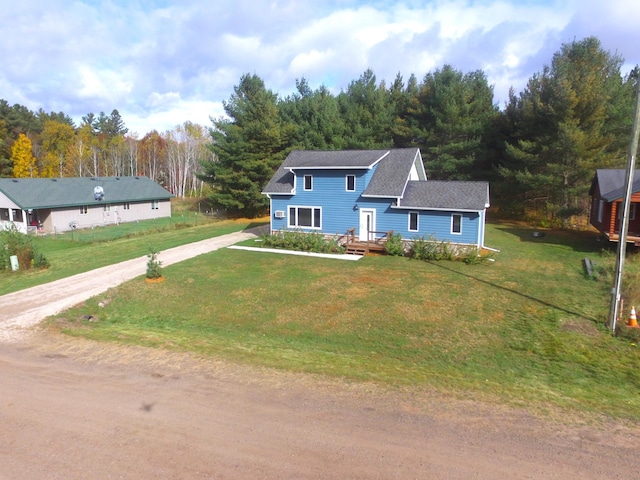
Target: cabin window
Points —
{"points": [[600, 210], [456, 223], [413, 221], [632, 211], [155, 205], [126, 206], [308, 217], [351, 183], [308, 182], [83, 210]]}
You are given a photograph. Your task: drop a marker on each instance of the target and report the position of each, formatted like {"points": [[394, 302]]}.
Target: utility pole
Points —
{"points": [[614, 304]]}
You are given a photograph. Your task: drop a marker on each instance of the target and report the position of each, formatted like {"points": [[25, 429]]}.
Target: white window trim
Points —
{"points": [[297, 207], [453, 215], [304, 183], [417, 214], [346, 183]]}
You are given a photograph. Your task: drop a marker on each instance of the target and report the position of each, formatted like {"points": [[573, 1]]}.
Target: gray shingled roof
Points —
{"points": [[434, 194], [392, 173], [34, 193], [611, 183], [389, 179]]}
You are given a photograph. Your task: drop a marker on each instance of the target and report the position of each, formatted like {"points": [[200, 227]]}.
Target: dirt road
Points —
{"points": [[74, 409]]}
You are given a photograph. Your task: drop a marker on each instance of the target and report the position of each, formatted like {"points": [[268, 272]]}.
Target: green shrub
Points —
{"points": [[302, 242], [13, 242], [475, 256], [394, 245]]}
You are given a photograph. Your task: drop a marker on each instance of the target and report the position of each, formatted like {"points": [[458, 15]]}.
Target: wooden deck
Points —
{"points": [[355, 246], [631, 238]]}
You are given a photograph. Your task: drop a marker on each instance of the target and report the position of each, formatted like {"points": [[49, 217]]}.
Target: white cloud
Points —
{"points": [[161, 63]]}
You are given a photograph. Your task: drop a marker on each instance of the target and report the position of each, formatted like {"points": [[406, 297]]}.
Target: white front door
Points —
{"points": [[367, 224]]}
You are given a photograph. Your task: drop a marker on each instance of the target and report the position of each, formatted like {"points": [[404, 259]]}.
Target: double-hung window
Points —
{"points": [[305, 217], [456, 223], [83, 210], [413, 222]]}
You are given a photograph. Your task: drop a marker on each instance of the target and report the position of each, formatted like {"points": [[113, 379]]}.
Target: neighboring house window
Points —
{"points": [[83, 210], [308, 182], [413, 221], [309, 217], [154, 205], [107, 207], [600, 210], [126, 206], [351, 183], [632, 211], [456, 223]]}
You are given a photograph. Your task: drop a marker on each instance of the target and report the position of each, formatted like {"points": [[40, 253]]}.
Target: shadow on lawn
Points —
{"points": [[515, 292], [578, 241]]}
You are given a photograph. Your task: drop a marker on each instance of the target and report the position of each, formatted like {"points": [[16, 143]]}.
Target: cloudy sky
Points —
{"points": [[163, 62]]}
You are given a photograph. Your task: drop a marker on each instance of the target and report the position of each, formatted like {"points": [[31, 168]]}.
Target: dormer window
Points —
{"points": [[308, 182]]}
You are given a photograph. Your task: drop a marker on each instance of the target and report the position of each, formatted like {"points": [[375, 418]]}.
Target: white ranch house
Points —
{"points": [[52, 205]]}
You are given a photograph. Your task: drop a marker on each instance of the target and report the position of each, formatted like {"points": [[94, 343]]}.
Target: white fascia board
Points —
{"points": [[343, 167]]}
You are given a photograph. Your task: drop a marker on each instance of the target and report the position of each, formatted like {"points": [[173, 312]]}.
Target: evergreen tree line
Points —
{"points": [[540, 150]]}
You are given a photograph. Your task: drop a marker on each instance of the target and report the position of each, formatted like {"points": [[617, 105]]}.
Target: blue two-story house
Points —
{"points": [[374, 191]]}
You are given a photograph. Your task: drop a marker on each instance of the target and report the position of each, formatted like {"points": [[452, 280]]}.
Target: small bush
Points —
{"points": [[474, 256], [13, 242], [394, 245]]}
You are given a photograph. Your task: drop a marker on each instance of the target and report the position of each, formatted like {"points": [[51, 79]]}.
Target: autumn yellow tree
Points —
{"points": [[24, 163], [57, 139]]}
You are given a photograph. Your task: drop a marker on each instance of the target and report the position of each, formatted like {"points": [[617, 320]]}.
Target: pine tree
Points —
{"points": [[564, 125], [248, 146]]}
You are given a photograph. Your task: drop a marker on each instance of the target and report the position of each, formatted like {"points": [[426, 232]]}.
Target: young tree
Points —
{"points": [[24, 163], [248, 146]]}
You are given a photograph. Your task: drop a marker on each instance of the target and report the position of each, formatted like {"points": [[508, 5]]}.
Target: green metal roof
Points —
{"points": [[37, 193]]}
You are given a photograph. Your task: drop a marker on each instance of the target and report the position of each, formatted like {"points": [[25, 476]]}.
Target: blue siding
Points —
{"points": [[338, 213]]}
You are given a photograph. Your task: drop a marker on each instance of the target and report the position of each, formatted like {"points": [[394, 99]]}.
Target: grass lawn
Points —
{"points": [[83, 250], [526, 329]]}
